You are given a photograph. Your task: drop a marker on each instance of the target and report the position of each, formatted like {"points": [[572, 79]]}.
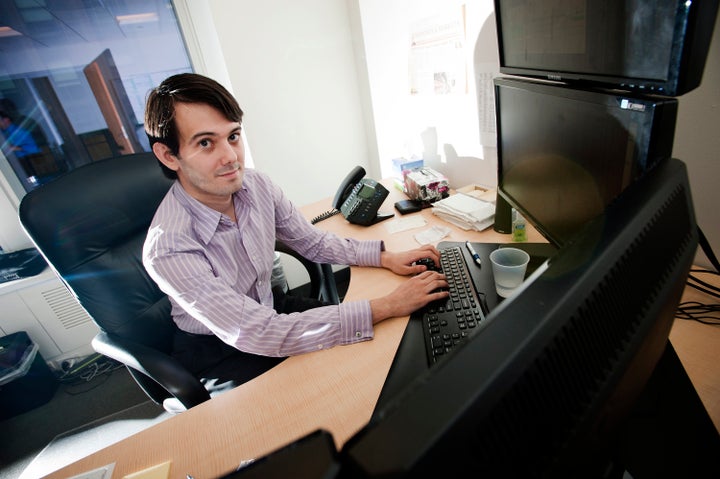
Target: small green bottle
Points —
{"points": [[519, 232]]}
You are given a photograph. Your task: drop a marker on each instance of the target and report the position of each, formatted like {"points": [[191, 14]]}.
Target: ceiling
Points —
{"points": [[39, 28]]}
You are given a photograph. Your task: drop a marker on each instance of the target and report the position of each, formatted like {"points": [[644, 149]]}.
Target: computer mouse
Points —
{"points": [[429, 263]]}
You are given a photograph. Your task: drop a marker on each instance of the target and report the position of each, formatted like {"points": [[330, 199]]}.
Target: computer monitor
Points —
{"points": [[654, 46], [543, 389], [564, 153]]}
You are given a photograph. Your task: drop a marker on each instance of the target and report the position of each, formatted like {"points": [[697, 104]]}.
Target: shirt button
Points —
{"points": [[319, 346], [358, 334]]}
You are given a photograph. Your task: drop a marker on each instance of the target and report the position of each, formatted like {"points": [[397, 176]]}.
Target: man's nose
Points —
{"points": [[228, 154]]}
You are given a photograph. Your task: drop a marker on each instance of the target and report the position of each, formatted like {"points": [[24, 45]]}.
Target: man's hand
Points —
{"points": [[402, 263], [413, 294]]}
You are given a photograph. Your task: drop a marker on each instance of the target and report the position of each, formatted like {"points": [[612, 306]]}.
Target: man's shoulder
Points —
{"points": [[253, 177], [171, 210], [258, 183]]}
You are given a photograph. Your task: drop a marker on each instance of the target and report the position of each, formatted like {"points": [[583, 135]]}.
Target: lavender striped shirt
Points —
{"points": [[217, 272]]}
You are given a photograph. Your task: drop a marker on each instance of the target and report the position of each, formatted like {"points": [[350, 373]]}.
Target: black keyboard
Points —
{"points": [[448, 323]]}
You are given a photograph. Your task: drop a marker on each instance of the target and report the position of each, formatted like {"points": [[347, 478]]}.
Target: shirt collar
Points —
{"points": [[205, 219]]}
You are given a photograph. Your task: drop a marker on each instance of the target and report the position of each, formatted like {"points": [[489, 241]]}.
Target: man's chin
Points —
{"points": [[232, 181]]}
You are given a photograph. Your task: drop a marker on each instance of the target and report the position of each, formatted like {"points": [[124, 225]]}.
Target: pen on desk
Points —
{"points": [[475, 256]]}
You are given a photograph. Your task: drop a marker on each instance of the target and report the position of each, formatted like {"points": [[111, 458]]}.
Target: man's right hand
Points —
{"points": [[410, 296]]}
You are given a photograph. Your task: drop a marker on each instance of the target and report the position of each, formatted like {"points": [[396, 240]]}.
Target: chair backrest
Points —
{"points": [[90, 224]]}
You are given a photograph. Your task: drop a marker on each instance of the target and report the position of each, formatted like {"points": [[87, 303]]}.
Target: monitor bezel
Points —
{"points": [[659, 146], [692, 33]]}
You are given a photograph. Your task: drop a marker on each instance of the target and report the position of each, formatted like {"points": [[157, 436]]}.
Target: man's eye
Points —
{"points": [[234, 137], [204, 143]]}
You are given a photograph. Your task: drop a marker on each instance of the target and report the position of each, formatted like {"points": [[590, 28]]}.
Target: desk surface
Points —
{"points": [[335, 389]]}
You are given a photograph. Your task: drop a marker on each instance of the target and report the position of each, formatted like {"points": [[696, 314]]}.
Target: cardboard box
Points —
{"points": [[26, 381], [479, 192], [425, 184]]}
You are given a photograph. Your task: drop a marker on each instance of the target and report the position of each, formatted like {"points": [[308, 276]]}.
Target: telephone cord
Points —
{"points": [[324, 216]]}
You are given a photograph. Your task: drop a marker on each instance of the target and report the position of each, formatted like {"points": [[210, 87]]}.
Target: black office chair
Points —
{"points": [[90, 225]]}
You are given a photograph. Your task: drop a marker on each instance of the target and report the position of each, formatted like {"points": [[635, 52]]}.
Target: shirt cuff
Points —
{"points": [[355, 322], [368, 253]]}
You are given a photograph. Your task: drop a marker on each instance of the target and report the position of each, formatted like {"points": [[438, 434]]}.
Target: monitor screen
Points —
{"points": [[657, 46], [565, 153], [542, 389]]}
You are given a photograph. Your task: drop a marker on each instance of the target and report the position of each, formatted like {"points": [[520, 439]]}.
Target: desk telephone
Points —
{"points": [[358, 199]]}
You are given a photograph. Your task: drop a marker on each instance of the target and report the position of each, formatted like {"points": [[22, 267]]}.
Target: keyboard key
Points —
{"points": [[448, 323]]}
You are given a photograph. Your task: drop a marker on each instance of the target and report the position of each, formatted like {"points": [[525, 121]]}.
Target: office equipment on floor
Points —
{"points": [[26, 381]]}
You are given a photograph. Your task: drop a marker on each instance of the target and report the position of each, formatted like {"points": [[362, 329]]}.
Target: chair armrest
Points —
{"points": [[322, 278], [160, 367]]}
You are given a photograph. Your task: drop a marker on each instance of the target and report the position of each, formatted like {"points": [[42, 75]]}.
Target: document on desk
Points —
{"points": [[465, 211], [406, 223]]}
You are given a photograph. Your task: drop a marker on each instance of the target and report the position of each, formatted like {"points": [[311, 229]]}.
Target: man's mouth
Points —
{"points": [[228, 171]]}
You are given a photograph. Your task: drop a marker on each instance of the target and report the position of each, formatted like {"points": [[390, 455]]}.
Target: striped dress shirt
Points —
{"points": [[217, 272]]}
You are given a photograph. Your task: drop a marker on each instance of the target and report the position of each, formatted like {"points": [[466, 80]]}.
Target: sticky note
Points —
{"points": [[161, 471]]}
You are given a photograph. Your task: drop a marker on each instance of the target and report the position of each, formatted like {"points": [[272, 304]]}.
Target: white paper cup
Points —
{"points": [[508, 266]]}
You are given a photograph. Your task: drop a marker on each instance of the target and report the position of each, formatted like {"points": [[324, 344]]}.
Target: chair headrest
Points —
{"points": [[93, 208]]}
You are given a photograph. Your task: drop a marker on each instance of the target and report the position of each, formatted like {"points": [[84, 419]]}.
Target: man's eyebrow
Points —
{"points": [[201, 134], [212, 133]]}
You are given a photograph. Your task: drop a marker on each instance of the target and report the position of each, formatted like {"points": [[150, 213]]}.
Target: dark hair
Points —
{"points": [[184, 88]]}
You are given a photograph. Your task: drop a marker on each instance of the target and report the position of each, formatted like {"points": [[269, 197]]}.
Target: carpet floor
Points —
{"points": [[80, 418]]}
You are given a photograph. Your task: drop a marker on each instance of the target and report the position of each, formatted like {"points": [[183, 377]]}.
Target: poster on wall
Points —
{"points": [[437, 63]]}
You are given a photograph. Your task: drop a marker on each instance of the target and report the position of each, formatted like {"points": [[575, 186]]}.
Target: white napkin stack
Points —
{"points": [[465, 211]]}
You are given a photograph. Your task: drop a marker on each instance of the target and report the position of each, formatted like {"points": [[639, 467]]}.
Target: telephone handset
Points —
{"points": [[358, 199]]}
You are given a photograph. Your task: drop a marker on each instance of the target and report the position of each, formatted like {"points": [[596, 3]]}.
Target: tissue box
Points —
{"points": [[425, 184], [399, 165]]}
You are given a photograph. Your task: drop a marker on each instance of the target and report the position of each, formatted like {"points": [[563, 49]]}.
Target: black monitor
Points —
{"points": [[543, 389], [564, 153], [657, 46]]}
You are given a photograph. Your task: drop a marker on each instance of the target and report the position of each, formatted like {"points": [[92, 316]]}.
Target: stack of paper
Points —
{"points": [[465, 211]]}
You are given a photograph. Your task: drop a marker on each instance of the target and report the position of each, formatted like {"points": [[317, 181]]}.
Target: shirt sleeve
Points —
{"points": [[318, 245], [205, 303]]}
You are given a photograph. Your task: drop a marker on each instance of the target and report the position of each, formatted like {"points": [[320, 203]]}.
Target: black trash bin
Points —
{"points": [[26, 381]]}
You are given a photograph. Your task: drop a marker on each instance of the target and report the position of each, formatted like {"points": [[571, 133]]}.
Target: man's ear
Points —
{"points": [[166, 157]]}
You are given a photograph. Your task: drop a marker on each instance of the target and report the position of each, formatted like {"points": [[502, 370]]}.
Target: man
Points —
{"points": [[17, 139], [210, 247]]}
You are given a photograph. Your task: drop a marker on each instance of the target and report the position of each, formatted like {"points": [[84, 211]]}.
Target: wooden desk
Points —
{"points": [[698, 347], [334, 389]]}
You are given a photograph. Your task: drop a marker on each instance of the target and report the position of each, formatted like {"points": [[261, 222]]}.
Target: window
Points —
{"points": [[73, 80]]}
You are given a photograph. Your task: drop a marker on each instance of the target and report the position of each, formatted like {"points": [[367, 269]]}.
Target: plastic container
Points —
{"points": [[519, 228], [26, 381]]}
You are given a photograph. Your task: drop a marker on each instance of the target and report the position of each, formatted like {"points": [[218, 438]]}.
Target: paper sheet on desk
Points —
{"points": [[402, 224], [465, 211]]}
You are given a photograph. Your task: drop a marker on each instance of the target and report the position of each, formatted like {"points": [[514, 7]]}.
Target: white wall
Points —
{"points": [[292, 67], [442, 129], [697, 143]]}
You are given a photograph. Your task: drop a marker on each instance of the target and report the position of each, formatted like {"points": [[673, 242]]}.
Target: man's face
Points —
{"points": [[211, 159]]}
